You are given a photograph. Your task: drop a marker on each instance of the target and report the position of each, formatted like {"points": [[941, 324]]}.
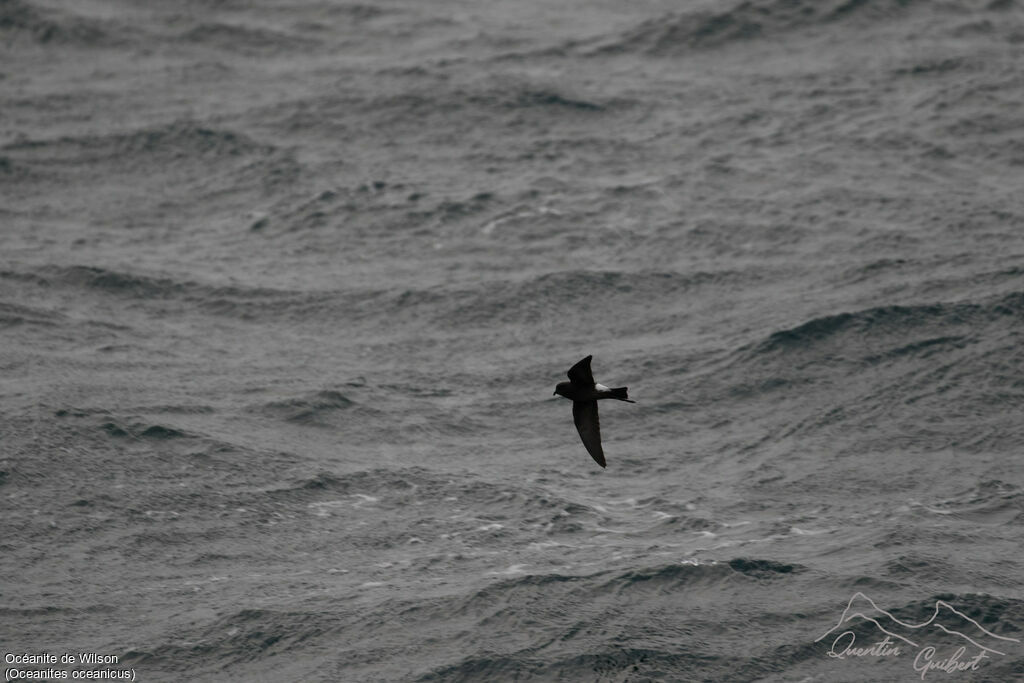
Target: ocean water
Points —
{"points": [[285, 288]]}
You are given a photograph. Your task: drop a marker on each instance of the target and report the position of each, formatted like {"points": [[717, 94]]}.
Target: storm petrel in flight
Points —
{"points": [[584, 394]]}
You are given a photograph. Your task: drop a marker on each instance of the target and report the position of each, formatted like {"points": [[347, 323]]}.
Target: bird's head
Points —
{"points": [[562, 389]]}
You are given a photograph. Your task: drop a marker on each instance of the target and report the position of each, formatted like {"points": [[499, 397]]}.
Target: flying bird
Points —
{"points": [[584, 393]]}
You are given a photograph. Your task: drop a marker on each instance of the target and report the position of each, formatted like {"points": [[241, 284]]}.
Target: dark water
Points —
{"points": [[285, 289]]}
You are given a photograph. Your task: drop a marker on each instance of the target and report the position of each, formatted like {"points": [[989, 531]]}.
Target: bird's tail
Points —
{"points": [[620, 393]]}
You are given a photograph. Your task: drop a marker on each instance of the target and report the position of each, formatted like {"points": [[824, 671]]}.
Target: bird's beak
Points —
{"points": [[554, 393]]}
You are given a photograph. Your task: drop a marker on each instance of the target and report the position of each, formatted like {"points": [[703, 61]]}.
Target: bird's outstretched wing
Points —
{"points": [[581, 374], [584, 414]]}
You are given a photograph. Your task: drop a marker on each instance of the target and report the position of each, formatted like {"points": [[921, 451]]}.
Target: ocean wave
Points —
{"points": [[236, 638], [17, 314], [576, 608], [249, 40], [173, 142], [311, 408], [606, 663], [22, 20], [382, 306], [142, 430], [469, 513], [904, 360], [428, 105], [542, 625], [229, 301], [49, 610], [989, 502], [662, 578], [741, 22], [673, 576], [878, 323], [173, 409], [510, 97], [559, 296], [129, 284], [417, 485], [12, 171], [395, 416], [920, 568]]}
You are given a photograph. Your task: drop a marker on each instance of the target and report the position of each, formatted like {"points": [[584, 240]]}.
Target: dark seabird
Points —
{"points": [[584, 394]]}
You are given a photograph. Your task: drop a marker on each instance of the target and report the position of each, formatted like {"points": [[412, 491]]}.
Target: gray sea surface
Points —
{"points": [[285, 289]]}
